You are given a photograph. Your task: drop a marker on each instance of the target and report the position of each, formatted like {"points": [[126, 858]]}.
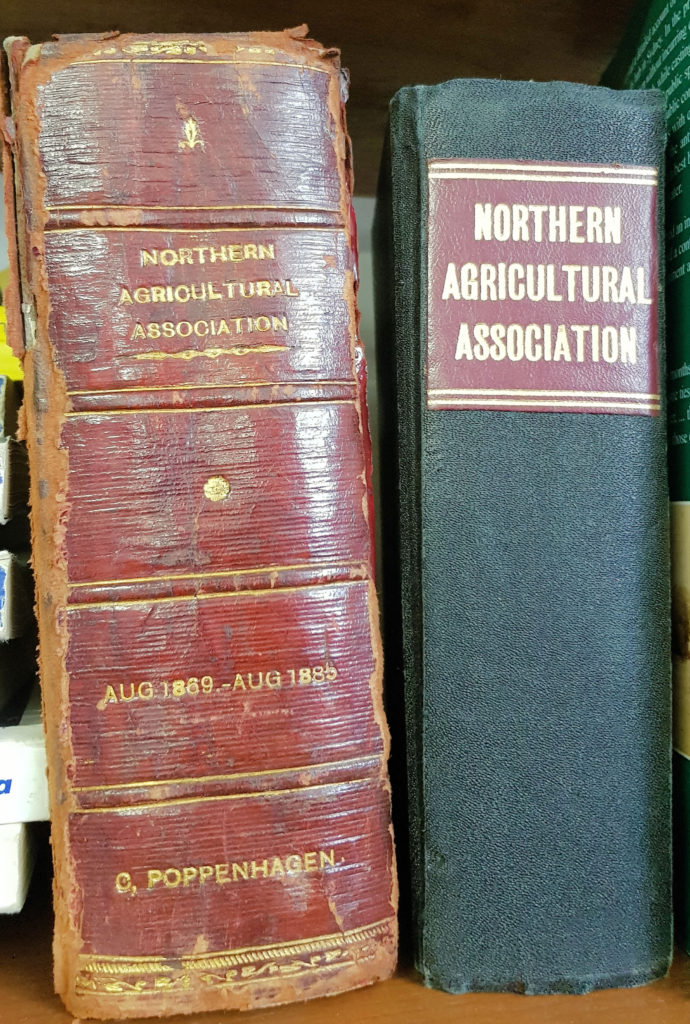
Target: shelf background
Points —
{"points": [[385, 45]]}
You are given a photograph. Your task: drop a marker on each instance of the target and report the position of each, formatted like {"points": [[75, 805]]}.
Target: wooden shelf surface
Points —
{"points": [[26, 991]]}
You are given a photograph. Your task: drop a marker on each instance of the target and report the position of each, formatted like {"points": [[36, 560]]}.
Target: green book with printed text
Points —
{"points": [[655, 53]]}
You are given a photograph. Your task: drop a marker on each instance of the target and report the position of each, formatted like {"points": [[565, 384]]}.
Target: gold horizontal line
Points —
{"points": [[534, 391], [477, 175], [440, 402], [191, 209], [212, 597], [115, 958], [232, 384], [316, 566], [187, 354], [200, 60], [214, 798], [235, 775], [542, 401], [541, 168], [198, 231], [208, 408]]}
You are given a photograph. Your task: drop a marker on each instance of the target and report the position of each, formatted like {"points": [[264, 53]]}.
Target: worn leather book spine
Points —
{"points": [[202, 522], [521, 345]]}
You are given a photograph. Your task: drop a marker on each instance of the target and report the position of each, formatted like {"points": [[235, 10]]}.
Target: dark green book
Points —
{"points": [[526, 529], [656, 53]]}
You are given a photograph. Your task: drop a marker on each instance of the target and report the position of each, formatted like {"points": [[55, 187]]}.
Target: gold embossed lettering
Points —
{"points": [[259, 869], [110, 697], [223, 873], [123, 882], [201, 254]]}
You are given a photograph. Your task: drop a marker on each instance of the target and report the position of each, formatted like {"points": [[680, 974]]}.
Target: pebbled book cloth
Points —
{"points": [[531, 608]]}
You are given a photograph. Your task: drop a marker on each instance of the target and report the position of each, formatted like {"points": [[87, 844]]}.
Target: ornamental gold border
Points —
{"points": [[201, 60], [121, 975]]}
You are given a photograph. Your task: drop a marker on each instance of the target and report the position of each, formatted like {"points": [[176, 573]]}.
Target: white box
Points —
{"points": [[17, 858], [23, 783]]}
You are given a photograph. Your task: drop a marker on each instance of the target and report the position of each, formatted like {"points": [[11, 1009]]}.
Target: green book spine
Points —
{"points": [[655, 53]]}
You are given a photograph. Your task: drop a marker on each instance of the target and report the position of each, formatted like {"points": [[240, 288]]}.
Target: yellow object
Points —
{"points": [[10, 366]]}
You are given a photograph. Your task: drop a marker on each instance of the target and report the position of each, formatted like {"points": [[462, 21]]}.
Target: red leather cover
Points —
{"points": [[202, 523]]}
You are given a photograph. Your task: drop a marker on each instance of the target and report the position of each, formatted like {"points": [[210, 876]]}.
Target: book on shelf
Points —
{"points": [[654, 54], [526, 510], [201, 501]]}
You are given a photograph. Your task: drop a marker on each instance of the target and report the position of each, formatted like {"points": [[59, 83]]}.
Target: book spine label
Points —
{"points": [[230, 871], [180, 308], [557, 309], [288, 699]]}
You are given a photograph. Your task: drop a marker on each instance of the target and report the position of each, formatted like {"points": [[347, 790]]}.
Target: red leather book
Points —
{"points": [[202, 522]]}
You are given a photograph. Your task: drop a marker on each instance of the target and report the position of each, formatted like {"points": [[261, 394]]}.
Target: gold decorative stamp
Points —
{"points": [[192, 135], [162, 47], [216, 488]]}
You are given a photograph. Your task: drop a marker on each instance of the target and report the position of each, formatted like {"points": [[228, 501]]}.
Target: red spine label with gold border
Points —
{"points": [[557, 309], [202, 523]]}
